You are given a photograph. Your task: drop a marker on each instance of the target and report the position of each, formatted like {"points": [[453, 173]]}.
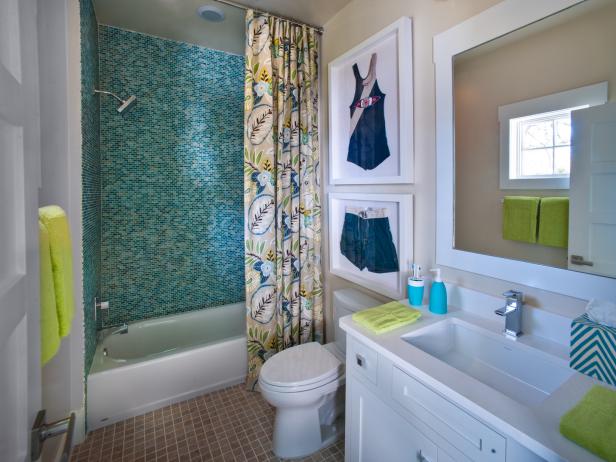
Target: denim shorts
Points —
{"points": [[367, 241]]}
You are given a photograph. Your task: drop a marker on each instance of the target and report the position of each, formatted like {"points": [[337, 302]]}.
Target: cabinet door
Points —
{"points": [[376, 433]]}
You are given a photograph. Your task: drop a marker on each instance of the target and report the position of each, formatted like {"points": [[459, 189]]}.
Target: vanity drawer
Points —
{"points": [[362, 359], [469, 435]]}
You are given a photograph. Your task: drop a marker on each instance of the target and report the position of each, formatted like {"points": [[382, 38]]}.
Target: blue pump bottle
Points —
{"points": [[438, 294]]}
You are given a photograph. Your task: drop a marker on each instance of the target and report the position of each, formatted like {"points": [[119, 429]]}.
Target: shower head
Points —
{"points": [[125, 105]]}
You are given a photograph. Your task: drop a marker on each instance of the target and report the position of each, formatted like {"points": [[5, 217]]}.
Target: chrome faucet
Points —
{"points": [[513, 313], [123, 329]]}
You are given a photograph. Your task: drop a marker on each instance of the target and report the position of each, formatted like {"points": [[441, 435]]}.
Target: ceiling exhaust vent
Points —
{"points": [[211, 13]]}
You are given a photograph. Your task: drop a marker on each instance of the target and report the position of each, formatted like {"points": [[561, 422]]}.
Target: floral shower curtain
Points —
{"points": [[281, 189]]}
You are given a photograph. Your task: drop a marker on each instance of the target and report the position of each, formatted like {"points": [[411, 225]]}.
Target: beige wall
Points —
{"points": [[355, 23], [570, 55]]}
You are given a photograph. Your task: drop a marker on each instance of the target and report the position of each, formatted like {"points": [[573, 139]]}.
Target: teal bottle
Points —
{"points": [[438, 294]]}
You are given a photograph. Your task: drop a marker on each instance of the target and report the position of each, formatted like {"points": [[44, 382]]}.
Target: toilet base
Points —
{"points": [[329, 435], [332, 433], [301, 431]]}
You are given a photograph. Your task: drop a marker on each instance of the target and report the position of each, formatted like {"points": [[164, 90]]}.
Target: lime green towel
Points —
{"points": [[56, 222], [50, 333], [386, 317], [554, 222], [520, 218], [592, 423]]}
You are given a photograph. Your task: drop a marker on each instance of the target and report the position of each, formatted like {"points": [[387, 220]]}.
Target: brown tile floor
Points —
{"points": [[227, 425]]}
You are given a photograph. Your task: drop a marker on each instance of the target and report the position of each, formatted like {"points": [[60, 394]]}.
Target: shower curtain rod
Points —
{"points": [[291, 20]]}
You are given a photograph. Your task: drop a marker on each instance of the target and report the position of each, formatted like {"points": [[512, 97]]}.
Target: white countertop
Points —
{"points": [[536, 427]]}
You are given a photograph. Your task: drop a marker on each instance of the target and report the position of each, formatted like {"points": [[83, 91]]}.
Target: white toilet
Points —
{"points": [[305, 384]]}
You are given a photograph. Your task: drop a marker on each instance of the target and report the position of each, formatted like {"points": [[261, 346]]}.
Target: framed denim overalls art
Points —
{"points": [[371, 110], [370, 238]]}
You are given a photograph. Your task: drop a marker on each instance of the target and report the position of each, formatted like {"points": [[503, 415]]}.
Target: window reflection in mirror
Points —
{"points": [[535, 142]]}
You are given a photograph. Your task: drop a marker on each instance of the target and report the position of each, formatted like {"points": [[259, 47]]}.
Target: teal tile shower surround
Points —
{"points": [[172, 179], [91, 174]]}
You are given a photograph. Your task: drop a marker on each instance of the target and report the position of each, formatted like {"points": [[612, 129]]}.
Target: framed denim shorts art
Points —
{"points": [[371, 239], [366, 240]]}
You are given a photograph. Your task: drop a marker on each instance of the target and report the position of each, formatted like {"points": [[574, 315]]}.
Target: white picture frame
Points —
{"points": [[393, 47], [399, 211]]}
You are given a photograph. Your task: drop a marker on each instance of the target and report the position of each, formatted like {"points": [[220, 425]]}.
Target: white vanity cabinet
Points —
{"points": [[378, 433], [391, 416]]}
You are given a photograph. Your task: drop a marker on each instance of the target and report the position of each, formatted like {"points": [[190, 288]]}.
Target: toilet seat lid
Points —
{"points": [[300, 365]]}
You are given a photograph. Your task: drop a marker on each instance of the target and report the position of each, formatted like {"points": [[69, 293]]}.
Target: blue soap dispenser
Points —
{"points": [[438, 294]]}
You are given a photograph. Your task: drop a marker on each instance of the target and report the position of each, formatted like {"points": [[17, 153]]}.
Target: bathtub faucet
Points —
{"points": [[122, 330]]}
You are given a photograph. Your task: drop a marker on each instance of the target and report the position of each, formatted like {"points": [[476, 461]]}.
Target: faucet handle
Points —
{"points": [[518, 295]]}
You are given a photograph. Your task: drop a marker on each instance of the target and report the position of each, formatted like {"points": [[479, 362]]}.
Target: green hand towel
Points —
{"points": [[50, 333], [520, 218], [592, 423], [56, 222], [554, 222], [386, 317]]}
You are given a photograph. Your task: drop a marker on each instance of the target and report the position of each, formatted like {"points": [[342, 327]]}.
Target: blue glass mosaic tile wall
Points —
{"points": [[172, 180], [91, 173]]}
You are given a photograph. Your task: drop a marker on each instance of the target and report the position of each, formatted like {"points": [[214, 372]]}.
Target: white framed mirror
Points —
{"points": [[505, 116]]}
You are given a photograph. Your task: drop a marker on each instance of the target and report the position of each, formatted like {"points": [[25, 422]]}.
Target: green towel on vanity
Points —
{"points": [[592, 423], [386, 317], [554, 222], [520, 218]]}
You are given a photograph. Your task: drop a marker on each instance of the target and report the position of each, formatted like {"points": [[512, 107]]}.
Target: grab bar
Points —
{"points": [[41, 431]]}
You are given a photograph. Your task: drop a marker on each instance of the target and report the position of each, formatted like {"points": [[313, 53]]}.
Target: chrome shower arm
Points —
{"points": [[110, 94], [124, 104]]}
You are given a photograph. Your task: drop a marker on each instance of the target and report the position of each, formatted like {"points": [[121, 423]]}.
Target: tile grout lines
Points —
{"points": [[227, 425]]}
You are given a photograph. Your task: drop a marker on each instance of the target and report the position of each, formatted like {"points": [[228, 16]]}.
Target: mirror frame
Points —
{"points": [[504, 17]]}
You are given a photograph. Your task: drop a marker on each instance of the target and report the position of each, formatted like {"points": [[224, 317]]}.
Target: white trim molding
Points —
{"points": [[507, 16]]}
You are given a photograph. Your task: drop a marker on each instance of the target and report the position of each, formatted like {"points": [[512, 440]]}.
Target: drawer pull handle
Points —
{"points": [[360, 360]]}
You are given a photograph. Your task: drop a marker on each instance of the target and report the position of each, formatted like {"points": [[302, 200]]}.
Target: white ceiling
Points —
{"points": [[178, 20]]}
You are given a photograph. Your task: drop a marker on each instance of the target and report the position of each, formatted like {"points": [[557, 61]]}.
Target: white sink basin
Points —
{"points": [[523, 373]]}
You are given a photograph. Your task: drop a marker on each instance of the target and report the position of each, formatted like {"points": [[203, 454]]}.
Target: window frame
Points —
{"points": [[590, 95]]}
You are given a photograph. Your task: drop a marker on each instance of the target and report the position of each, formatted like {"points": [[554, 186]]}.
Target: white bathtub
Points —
{"points": [[166, 360]]}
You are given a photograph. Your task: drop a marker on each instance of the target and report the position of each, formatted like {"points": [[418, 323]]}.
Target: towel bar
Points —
{"points": [[41, 431]]}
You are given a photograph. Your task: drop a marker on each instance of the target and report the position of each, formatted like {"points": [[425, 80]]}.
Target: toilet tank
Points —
{"points": [[348, 301]]}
